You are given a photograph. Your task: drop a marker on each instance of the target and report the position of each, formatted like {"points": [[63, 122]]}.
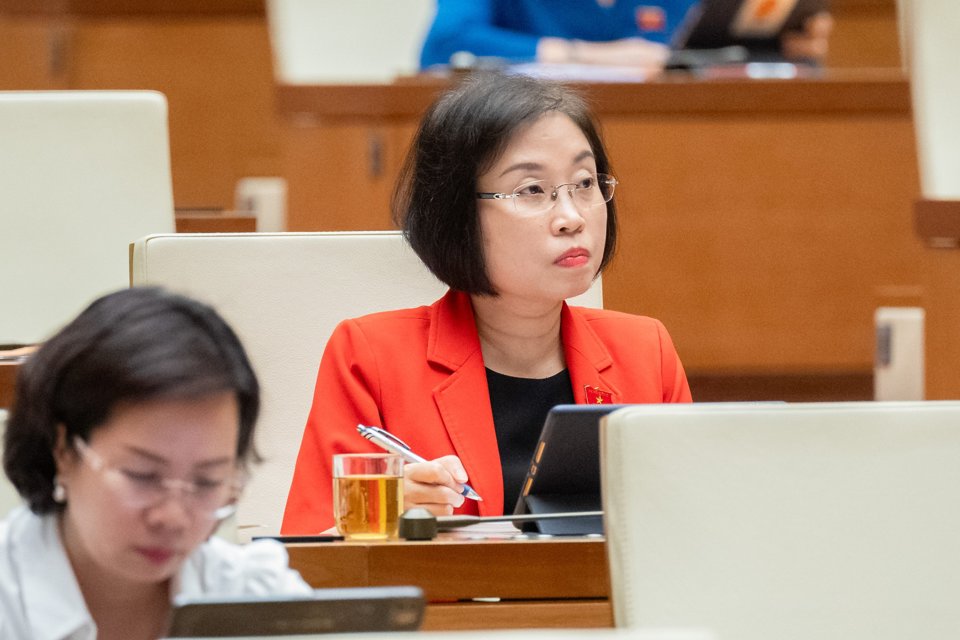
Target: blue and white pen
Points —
{"points": [[389, 442]]}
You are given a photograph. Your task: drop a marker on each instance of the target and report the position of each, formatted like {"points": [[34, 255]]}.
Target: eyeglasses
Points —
{"points": [[536, 197], [212, 499]]}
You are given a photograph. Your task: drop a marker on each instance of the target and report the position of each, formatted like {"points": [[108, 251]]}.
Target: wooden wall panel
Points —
{"points": [[32, 53], [217, 76], [764, 242], [341, 174], [942, 280], [865, 35]]}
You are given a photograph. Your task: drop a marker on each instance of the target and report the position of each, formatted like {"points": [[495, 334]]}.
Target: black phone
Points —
{"points": [[300, 539], [344, 610]]}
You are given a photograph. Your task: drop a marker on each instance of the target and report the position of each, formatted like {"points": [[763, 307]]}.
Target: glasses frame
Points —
{"points": [[168, 486], [571, 189]]}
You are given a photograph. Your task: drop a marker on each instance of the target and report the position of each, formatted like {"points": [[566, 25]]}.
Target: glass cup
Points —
{"points": [[367, 495]]}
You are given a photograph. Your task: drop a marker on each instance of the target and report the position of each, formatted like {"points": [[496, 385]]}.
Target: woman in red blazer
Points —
{"points": [[507, 198]]}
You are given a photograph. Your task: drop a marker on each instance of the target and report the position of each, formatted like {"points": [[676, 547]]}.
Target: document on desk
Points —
{"points": [[579, 72], [485, 531]]}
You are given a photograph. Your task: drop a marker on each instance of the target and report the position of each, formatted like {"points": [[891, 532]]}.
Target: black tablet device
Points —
{"points": [[754, 24], [564, 473], [325, 611]]}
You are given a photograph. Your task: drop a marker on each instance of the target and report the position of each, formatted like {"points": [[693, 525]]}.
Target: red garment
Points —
{"points": [[419, 373]]}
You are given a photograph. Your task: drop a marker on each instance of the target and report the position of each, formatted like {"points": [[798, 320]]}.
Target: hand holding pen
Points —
{"points": [[389, 442]]}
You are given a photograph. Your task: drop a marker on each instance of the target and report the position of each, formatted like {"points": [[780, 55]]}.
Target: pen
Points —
{"points": [[389, 442]]}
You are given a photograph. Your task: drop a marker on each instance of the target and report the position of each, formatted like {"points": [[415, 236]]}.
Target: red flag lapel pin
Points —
{"points": [[596, 395]]}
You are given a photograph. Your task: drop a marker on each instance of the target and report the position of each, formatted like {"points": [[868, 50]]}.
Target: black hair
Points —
{"points": [[132, 346], [462, 134]]}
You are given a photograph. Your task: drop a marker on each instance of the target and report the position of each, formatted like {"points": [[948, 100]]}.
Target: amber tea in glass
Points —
{"points": [[367, 495]]}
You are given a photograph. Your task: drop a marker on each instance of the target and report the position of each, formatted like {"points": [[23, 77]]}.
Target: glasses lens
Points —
{"points": [[213, 498], [532, 198], [207, 498], [203, 497], [605, 186], [586, 192]]}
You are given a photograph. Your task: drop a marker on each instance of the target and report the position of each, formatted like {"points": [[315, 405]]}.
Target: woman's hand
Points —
{"points": [[435, 485], [812, 42]]}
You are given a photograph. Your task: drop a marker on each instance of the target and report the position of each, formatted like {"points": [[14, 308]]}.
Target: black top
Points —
{"points": [[520, 406]]}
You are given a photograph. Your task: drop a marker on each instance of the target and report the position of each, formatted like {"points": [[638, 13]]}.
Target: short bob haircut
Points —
{"points": [[136, 345], [460, 137]]}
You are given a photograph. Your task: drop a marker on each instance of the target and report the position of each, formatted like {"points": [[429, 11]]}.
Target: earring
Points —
{"points": [[59, 491]]}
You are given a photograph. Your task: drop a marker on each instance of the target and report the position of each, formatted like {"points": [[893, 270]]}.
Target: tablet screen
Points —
{"points": [[325, 611], [564, 473]]}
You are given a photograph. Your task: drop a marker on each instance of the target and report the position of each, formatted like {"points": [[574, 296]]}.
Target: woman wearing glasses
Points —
{"points": [[129, 441], [507, 197]]}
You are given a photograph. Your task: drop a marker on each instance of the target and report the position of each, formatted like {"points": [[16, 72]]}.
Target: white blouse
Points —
{"points": [[41, 600]]}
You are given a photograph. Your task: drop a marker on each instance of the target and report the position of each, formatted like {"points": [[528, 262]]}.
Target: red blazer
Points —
{"points": [[419, 373]]}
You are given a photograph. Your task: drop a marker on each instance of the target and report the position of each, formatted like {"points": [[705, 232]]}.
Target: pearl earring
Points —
{"points": [[59, 491]]}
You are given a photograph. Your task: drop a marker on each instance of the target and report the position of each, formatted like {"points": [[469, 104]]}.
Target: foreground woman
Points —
{"points": [[130, 440]]}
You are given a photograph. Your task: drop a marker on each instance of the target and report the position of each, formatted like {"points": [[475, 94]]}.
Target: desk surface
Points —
{"points": [[540, 583], [851, 90]]}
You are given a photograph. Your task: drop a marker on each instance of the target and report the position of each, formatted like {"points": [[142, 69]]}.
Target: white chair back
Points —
{"points": [[284, 293], [834, 520], [358, 41], [929, 33], [82, 175]]}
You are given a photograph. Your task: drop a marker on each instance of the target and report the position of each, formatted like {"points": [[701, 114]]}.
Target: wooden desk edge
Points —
{"points": [[215, 223], [881, 91], [568, 614], [555, 569]]}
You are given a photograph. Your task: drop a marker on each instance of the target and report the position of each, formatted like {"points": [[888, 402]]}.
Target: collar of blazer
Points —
{"points": [[454, 339], [455, 345]]}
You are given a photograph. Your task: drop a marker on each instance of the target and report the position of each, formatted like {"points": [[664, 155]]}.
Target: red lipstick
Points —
{"points": [[156, 555], [575, 257]]}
